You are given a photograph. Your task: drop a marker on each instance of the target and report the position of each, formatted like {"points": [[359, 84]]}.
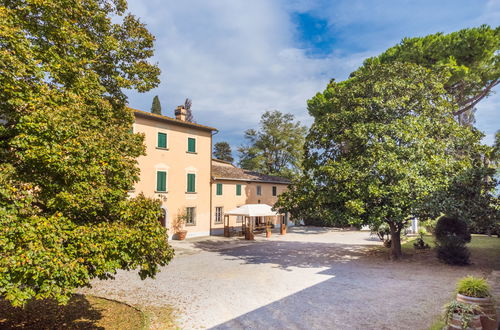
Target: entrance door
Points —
{"points": [[164, 217]]}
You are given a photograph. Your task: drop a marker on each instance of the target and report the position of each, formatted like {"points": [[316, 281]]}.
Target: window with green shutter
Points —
{"points": [[275, 191], [162, 140], [238, 190], [219, 189], [191, 145], [161, 181], [191, 182]]}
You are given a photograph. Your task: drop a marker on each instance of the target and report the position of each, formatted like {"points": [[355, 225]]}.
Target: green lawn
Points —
{"points": [[485, 251]]}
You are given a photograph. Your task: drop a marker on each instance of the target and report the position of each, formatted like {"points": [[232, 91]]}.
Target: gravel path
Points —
{"points": [[308, 279]]}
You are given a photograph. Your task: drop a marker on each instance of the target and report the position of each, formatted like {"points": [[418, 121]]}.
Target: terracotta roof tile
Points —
{"points": [[172, 120], [235, 173]]}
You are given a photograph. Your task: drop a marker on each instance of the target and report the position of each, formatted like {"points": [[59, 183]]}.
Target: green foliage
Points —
{"points": [[452, 250], [451, 226], [466, 312], [276, 148], [470, 196], [375, 151], [382, 230], [156, 106], [222, 151], [297, 200], [67, 157], [470, 56], [473, 287]]}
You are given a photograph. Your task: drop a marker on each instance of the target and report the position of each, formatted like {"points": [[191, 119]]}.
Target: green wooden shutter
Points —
{"points": [[274, 191], [238, 190], [191, 144], [161, 181], [162, 140], [219, 188], [191, 182]]}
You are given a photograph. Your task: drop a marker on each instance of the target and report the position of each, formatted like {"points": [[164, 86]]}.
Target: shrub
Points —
{"points": [[452, 250], [451, 226], [420, 244], [473, 287]]}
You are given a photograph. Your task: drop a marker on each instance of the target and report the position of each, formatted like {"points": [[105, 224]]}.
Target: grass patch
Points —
{"points": [[485, 250], [82, 312], [160, 317], [438, 325]]}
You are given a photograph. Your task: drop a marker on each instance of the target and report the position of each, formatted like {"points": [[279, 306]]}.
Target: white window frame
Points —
{"points": [[219, 216], [161, 168], [195, 145], [164, 131], [194, 216]]}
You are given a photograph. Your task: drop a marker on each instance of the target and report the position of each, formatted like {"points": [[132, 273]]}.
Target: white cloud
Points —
{"points": [[236, 59]]}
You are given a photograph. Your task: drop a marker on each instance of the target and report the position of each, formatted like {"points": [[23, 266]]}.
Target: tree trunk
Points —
{"points": [[395, 241]]}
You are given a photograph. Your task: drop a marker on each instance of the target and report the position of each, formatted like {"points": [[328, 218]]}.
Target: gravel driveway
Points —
{"points": [[308, 279]]}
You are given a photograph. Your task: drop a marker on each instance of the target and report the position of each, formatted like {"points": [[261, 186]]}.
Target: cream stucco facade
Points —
{"points": [[170, 166], [177, 162]]}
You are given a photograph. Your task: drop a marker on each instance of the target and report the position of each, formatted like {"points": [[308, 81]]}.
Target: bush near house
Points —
{"points": [[451, 236]]}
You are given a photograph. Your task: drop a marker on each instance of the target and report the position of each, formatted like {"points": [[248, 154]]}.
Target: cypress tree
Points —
{"points": [[156, 106]]}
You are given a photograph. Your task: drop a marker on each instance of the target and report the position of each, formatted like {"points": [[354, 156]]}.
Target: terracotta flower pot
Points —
{"points": [[455, 323], [181, 235], [268, 233], [488, 314]]}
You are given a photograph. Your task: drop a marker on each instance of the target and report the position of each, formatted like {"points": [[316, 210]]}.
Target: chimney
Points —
{"points": [[180, 113]]}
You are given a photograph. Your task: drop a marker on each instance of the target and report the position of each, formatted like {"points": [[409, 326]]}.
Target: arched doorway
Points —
{"points": [[164, 217]]}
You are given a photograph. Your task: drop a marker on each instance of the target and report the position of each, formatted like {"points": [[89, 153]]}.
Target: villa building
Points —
{"points": [[179, 170]]}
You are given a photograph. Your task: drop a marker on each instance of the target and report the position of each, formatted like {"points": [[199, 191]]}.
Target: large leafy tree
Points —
{"points": [[381, 142], [222, 151], [67, 156], [156, 105], [472, 56], [276, 148]]}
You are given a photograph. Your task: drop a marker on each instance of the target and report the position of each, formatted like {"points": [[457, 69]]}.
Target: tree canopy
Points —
{"points": [[276, 148], [380, 143], [222, 151], [67, 154], [156, 106], [472, 56]]}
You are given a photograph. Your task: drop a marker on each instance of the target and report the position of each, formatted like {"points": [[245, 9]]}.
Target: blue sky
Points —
{"points": [[236, 58]]}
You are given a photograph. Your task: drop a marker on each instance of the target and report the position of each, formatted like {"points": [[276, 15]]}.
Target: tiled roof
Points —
{"points": [[225, 172], [172, 120]]}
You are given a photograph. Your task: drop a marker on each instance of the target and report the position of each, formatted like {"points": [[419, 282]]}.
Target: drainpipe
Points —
{"points": [[211, 179]]}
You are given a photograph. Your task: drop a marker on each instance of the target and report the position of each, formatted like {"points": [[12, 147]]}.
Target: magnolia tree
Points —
{"points": [[67, 156], [381, 142]]}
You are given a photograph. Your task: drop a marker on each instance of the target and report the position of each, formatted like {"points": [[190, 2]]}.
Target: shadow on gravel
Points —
{"points": [[287, 254]]}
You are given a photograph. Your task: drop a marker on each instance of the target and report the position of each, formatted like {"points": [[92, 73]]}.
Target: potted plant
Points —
{"points": [[268, 229], [459, 315], [178, 226], [476, 291], [420, 244]]}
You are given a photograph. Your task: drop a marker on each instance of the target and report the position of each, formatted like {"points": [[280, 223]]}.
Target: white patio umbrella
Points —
{"points": [[253, 210]]}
